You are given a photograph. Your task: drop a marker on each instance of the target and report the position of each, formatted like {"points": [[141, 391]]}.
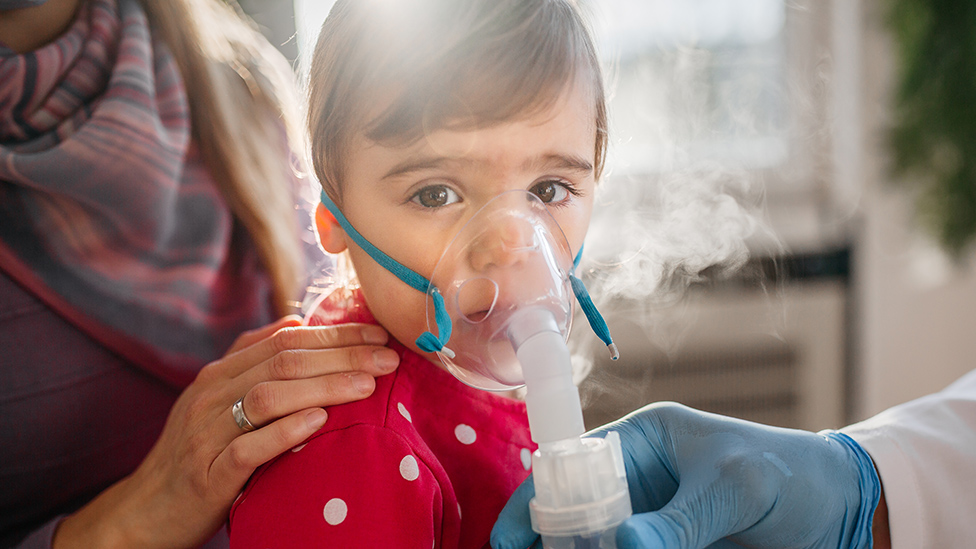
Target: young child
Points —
{"points": [[420, 112]]}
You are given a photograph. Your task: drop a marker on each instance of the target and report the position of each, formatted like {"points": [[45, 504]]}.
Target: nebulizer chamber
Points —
{"points": [[581, 493], [505, 284]]}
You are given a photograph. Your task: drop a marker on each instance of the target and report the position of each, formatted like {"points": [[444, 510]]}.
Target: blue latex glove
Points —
{"points": [[696, 478]]}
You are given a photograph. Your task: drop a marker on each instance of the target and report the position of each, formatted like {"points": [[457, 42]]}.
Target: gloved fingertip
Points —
{"points": [[518, 538], [513, 530], [637, 532]]}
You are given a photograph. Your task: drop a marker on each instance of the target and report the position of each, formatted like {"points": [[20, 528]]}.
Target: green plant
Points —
{"points": [[933, 138]]}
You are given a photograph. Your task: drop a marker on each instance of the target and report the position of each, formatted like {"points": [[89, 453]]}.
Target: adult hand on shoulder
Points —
{"points": [[698, 479], [181, 493]]}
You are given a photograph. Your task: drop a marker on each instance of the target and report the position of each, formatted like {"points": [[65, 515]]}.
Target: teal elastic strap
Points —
{"points": [[593, 316], [430, 343], [411, 278], [427, 341]]}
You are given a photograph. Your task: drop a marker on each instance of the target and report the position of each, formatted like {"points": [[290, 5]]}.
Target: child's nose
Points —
{"points": [[505, 244]]}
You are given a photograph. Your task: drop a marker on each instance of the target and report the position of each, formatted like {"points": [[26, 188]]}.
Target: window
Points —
{"points": [[693, 82]]}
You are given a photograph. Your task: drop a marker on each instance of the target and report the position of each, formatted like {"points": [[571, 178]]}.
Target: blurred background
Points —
{"points": [[796, 228]]}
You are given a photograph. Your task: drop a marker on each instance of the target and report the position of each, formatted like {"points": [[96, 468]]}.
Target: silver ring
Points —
{"points": [[239, 416]]}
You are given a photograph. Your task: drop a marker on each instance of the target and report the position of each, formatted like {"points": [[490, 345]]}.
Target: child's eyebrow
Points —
{"points": [[550, 161], [416, 165], [557, 161]]}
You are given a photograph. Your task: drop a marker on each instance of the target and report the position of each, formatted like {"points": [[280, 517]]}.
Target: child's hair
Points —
{"points": [[441, 64]]}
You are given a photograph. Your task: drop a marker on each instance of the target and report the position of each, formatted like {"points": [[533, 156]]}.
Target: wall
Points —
{"points": [[915, 320]]}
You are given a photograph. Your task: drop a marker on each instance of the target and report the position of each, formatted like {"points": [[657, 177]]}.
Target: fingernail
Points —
{"points": [[362, 382], [374, 335], [386, 359], [316, 419]]}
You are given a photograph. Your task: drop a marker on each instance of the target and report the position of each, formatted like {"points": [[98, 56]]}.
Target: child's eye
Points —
{"points": [[435, 196], [552, 191]]}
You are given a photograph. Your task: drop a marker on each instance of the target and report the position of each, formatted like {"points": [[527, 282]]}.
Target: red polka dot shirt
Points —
{"points": [[424, 462]]}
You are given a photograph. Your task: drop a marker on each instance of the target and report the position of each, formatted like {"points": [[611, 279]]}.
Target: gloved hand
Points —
{"points": [[696, 478]]}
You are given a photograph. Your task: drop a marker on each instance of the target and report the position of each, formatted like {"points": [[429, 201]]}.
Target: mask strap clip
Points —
{"points": [[593, 316], [430, 343], [427, 341]]}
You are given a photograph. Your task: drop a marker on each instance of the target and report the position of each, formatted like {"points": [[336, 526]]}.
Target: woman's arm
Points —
{"points": [[180, 494]]}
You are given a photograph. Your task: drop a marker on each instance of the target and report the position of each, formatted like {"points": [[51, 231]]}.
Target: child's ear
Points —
{"points": [[331, 235]]}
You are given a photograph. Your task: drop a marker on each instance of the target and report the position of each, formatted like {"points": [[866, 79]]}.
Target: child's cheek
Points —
{"points": [[398, 307]]}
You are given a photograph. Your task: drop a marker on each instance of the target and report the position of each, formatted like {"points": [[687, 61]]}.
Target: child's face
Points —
{"points": [[410, 202]]}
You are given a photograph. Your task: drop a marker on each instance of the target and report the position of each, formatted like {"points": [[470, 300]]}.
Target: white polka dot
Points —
{"points": [[404, 412], [335, 511], [465, 434], [298, 448], [408, 468], [526, 456]]}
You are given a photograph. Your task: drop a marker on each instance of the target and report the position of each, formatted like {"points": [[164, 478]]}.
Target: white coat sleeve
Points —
{"points": [[925, 454]]}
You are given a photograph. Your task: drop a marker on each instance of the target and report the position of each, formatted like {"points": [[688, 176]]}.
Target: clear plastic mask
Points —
{"points": [[510, 259], [510, 256]]}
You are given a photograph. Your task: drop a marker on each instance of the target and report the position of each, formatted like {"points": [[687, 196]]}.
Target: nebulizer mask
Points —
{"points": [[499, 310]]}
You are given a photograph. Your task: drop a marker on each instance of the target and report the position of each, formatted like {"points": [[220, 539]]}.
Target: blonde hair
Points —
{"points": [[455, 64], [242, 108]]}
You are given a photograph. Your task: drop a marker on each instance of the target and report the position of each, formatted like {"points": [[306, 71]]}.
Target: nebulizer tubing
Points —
{"points": [[524, 318], [581, 493]]}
